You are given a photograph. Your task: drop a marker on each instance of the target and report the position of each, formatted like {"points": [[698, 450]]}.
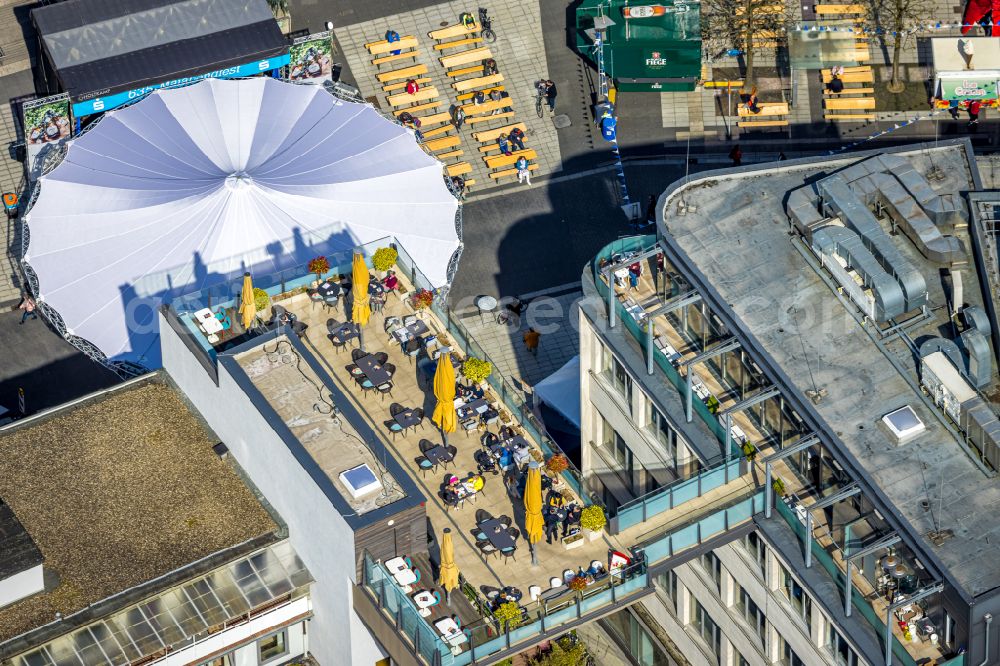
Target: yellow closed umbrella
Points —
{"points": [[449, 570], [362, 312], [533, 522], [444, 391], [248, 309]]}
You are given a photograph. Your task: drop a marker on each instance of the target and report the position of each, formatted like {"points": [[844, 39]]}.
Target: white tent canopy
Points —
{"points": [[191, 187], [561, 390]]}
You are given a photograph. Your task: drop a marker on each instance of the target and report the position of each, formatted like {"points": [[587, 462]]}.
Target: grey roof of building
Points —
{"points": [[735, 242]]}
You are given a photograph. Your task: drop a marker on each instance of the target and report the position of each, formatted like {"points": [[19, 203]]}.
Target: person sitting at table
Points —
{"points": [[572, 518], [390, 281], [477, 482], [556, 500]]}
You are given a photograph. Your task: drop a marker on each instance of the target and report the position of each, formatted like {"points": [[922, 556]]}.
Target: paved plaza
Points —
{"points": [[520, 57]]}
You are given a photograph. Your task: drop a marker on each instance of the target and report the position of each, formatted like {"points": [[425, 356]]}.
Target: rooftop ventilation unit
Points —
{"points": [[360, 480], [903, 424]]}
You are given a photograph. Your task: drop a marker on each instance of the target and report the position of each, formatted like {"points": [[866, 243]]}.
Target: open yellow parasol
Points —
{"points": [[444, 391]]}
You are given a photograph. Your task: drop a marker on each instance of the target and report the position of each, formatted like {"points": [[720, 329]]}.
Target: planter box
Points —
{"points": [[593, 535], [571, 542]]}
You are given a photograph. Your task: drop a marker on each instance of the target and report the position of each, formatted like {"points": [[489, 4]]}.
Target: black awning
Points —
{"points": [[116, 45]]}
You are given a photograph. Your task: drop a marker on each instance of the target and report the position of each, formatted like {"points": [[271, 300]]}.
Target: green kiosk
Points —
{"points": [[642, 47]]}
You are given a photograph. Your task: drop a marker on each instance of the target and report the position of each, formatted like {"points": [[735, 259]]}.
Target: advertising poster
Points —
{"points": [[47, 123], [312, 59]]}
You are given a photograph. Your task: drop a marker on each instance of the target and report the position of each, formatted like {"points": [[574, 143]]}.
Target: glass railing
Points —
{"points": [[674, 495], [486, 637], [545, 618], [676, 539], [954, 661], [857, 598], [401, 611]]}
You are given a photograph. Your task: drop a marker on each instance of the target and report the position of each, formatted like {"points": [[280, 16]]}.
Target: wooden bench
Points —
{"points": [[765, 44], [405, 73], [435, 119], [764, 9], [419, 107], [491, 147], [766, 109], [497, 175], [835, 10], [435, 145], [487, 107], [849, 103], [849, 91], [477, 69], [459, 169], [434, 132], [422, 95], [722, 84], [849, 116], [506, 160], [389, 87], [482, 119], [852, 75], [762, 123], [458, 42], [450, 154], [454, 30], [491, 135], [380, 47], [486, 91], [465, 57], [480, 82], [378, 62]]}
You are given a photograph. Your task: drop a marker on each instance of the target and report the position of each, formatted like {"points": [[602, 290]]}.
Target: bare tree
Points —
{"points": [[743, 25], [894, 22]]}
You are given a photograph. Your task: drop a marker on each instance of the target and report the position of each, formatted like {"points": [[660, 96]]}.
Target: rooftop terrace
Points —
{"points": [[118, 491], [733, 229]]}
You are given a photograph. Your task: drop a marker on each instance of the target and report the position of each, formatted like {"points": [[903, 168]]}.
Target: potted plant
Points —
{"points": [[422, 300], [572, 541], [577, 584], [262, 302], [476, 370], [779, 486], [319, 266], [508, 614], [712, 403], [556, 465], [384, 259], [592, 521]]}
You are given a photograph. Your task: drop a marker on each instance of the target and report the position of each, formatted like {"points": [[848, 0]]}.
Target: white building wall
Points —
{"points": [[321, 537]]}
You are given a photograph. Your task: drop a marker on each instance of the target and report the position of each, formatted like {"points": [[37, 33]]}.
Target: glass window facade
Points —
{"points": [[754, 616], [273, 646], [713, 567], [841, 651], [757, 549], [635, 639], [706, 627], [660, 428], [797, 596], [667, 583], [788, 656]]}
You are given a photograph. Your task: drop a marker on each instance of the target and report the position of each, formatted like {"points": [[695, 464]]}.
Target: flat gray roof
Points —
{"points": [[738, 237]]}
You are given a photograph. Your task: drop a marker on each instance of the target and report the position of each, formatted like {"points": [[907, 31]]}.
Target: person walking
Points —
{"points": [[736, 155], [531, 339], [516, 137], [523, 171], [550, 95], [459, 118], [503, 145], [974, 108], [551, 524], [27, 307]]}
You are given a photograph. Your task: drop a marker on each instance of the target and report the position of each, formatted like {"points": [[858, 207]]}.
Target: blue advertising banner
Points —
{"points": [[100, 103]]}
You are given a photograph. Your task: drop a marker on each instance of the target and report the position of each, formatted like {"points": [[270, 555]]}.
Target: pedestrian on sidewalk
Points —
{"points": [[27, 307], [953, 109], [974, 108], [458, 117], [503, 145], [516, 137], [523, 172], [531, 338], [550, 95], [736, 155]]}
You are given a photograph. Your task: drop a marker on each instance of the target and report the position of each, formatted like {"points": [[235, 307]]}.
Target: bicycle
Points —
{"points": [[540, 98], [486, 27]]}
